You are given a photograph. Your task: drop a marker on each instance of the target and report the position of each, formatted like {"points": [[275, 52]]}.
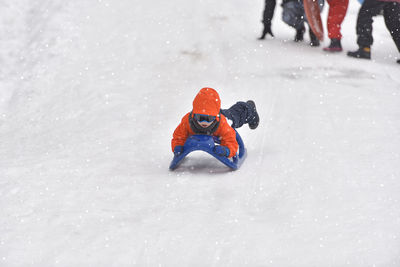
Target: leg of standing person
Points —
{"points": [[368, 10], [268, 14], [391, 13], [336, 14], [293, 15], [313, 38]]}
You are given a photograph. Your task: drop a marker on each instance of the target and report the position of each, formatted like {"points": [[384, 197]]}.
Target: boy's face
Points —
{"points": [[204, 120]]}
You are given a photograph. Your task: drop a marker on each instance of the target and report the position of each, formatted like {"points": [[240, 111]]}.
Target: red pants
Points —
{"points": [[337, 11]]}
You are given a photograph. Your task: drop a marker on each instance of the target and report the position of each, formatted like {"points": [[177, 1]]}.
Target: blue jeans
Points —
{"points": [[240, 113]]}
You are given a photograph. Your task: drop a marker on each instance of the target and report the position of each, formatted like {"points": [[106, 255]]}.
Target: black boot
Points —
{"points": [[335, 46], [300, 34], [254, 119], [362, 52], [398, 61], [313, 39], [266, 30]]}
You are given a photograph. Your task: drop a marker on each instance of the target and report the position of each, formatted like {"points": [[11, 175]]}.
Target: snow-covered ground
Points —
{"points": [[91, 91]]}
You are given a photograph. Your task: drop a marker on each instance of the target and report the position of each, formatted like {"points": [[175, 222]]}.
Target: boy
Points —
{"points": [[207, 117]]}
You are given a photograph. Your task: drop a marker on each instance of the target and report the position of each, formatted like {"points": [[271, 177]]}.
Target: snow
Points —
{"points": [[91, 92]]}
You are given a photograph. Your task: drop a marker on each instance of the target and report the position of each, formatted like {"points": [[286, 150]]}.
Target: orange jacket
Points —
{"points": [[207, 102]]}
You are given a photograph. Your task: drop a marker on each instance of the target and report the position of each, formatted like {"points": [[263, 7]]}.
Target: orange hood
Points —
{"points": [[207, 102]]}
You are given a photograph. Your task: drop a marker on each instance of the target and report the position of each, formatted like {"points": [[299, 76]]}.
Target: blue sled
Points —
{"points": [[206, 143]]}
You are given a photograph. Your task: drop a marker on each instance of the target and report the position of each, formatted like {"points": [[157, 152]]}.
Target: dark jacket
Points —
{"points": [[269, 9]]}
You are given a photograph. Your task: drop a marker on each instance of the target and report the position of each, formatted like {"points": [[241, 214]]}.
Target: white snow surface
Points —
{"points": [[91, 92]]}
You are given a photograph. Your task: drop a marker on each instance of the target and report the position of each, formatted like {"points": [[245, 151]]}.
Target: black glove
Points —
{"points": [[222, 151], [178, 150], [267, 29]]}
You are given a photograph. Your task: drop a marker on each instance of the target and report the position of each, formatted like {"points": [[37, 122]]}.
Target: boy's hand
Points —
{"points": [[222, 151], [217, 139], [178, 150]]}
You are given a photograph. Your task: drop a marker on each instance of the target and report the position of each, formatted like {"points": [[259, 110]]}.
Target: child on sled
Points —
{"points": [[208, 118]]}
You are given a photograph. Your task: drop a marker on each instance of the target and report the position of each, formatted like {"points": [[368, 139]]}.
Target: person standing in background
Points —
{"points": [[268, 14], [369, 9], [292, 14], [337, 12]]}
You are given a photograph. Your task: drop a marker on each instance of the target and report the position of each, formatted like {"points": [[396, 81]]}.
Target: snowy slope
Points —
{"points": [[91, 91]]}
